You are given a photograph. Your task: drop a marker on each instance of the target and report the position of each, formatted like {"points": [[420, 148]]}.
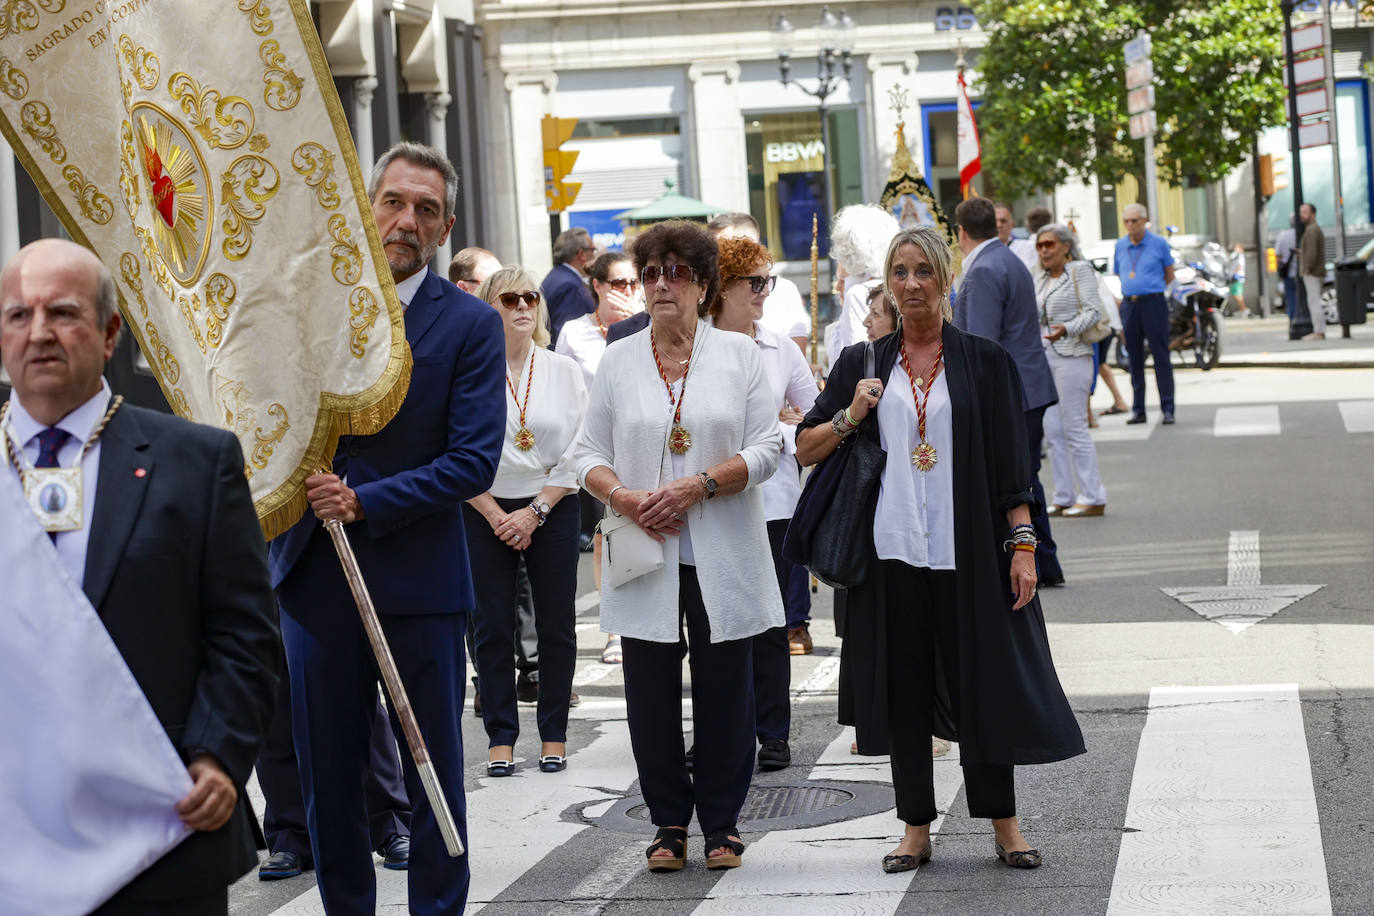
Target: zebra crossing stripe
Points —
{"points": [[1358, 416], [1249, 420], [1222, 815]]}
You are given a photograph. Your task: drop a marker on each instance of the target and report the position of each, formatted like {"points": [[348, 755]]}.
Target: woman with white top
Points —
{"points": [[744, 285], [1066, 292], [681, 425], [859, 239], [945, 636], [525, 512]]}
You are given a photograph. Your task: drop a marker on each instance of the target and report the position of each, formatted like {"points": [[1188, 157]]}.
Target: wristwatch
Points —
{"points": [[708, 482], [540, 509]]}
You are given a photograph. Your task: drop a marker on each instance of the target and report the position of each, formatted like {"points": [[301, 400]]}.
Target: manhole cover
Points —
{"points": [[766, 803]]}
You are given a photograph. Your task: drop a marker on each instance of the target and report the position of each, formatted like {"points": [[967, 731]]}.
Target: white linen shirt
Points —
{"points": [[583, 341], [558, 401], [729, 411], [791, 381], [79, 424], [914, 522]]}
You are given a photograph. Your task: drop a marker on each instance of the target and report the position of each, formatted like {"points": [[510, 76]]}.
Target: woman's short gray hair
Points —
{"points": [[1064, 234], [858, 238], [933, 243]]}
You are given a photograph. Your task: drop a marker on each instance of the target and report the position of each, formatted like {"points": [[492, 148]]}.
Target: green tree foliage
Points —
{"points": [[1052, 78]]}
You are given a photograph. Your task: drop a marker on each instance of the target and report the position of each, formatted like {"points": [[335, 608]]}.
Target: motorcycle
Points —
{"points": [[1196, 301]]}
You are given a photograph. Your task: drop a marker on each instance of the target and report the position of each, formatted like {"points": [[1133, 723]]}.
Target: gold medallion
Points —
{"points": [[679, 441], [923, 456], [524, 439], [54, 495]]}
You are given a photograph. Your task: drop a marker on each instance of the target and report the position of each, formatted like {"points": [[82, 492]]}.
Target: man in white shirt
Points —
{"points": [[1022, 248], [784, 311]]}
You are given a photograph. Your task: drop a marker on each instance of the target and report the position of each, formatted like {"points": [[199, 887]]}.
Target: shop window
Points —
{"points": [[602, 128], [786, 176], [940, 123]]}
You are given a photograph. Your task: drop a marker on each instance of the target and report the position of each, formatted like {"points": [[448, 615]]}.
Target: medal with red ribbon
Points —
{"points": [[679, 439], [923, 456], [524, 437]]}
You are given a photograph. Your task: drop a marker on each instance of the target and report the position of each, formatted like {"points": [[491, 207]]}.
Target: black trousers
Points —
{"points": [[772, 660], [551, 560], [722, 719], [215, 903], [283, 816], [1047, 552], [923, 646]]}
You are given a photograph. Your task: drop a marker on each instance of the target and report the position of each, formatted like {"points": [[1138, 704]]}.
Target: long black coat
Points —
{"points": [[1012, 708]]}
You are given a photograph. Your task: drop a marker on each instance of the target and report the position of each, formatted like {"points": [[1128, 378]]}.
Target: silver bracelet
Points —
{"points": [[610, 496], [840, 425]]}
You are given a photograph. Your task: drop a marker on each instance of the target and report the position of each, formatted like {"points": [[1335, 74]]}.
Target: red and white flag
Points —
{"points": [[970, 151]]}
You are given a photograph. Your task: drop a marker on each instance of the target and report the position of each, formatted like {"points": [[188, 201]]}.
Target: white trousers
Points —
{"points": [[1073, 456], [1314, 303]]}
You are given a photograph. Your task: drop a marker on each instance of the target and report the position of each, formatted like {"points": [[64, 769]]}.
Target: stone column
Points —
{"points": [[363, 90], [887, 71], [718, 135], [436, 106], [520, 189], [9, 214]]}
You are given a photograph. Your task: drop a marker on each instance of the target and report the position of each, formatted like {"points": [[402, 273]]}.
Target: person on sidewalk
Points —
{"points": [[1286, 254], [1145, 263], [1312, 266]]}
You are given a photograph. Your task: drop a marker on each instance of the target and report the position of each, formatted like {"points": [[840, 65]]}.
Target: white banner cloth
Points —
{"points": [[88, 780]]}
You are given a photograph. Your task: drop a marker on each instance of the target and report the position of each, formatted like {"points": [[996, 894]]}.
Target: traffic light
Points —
{"points": [[558, 194]]}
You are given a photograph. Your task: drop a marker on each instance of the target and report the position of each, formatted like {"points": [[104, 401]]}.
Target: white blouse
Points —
{"points": [[729, 411], [915, 518], [791, 381], [584, 342], [557, 404]]}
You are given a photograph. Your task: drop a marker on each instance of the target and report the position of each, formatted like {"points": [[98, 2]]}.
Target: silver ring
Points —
{"points": [[873, 391], [517, 538]]}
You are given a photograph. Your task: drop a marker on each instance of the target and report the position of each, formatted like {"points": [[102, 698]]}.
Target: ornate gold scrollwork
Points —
{"points": [[283, 84], [157, 267], [190, 307], [248, 183], [259, 15], [316, 164], [363, 311], [266, 442], [95, 206], [179, 404], [36, 120], [223, 121], [219, 295], [133, 278], [128, 170], [161, 355], [348, 259], [22, 16], [13, 81], [143, 67]]}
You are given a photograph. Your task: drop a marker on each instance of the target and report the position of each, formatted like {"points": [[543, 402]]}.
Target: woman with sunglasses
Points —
{"points": [[680, 426], [945, 635], [745, 284], [525, 512], [1066, 292]]}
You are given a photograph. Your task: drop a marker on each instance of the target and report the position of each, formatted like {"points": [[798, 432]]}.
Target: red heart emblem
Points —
{"points": [[164, 195]]}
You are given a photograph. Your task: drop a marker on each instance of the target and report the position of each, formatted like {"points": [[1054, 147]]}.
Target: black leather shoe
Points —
{"points": [[774, 754], [1168, 419], [395, 853], [1136, 418], [283, 864], [1052, 582], [526, 691]]}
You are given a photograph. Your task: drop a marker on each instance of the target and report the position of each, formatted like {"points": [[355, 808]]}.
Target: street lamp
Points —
{"points": [[836, 35]]}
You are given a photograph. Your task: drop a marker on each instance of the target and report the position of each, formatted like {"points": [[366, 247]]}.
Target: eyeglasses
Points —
{"points": [[759, 284], [1046, 246], [672, 273], [513, 300], [623, 284]]}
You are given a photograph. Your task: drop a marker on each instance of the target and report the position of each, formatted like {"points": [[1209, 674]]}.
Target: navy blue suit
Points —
{"points": [[411, 479], [567, 298], [996, 300]]}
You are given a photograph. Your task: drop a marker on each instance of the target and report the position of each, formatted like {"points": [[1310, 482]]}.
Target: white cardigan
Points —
{"points": [[729, 411]]}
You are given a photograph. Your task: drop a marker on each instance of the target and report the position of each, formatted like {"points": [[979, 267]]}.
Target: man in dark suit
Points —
{"points": [[632, 325], [565, 287], [169, 552], [996, 300], [399, 493]]}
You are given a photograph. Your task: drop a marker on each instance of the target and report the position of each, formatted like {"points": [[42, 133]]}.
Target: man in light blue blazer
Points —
{"points": [[399, 493], [996, 300]]}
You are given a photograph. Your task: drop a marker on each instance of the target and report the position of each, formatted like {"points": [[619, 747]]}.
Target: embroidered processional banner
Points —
{"points": [[199, 149]]}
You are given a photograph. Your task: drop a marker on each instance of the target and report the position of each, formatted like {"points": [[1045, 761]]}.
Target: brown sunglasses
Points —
{"points": [[512, 300]]}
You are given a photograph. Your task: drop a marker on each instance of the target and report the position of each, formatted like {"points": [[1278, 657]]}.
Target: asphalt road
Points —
{"points": [[1250, 796]]}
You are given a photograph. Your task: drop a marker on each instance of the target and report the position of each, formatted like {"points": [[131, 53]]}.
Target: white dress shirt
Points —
{"points": [[973, 255], [792, 383], [558, 401], [915, 518], [729, 411], [785, 312], [407, 288], [1025, 250], [584, 341], [23, 431]]}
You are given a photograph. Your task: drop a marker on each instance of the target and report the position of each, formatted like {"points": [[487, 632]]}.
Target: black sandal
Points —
{"points": [[673, 839], [722, 838]]}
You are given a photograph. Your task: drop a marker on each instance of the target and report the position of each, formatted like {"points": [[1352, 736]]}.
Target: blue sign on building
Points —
{"points": [[607, 232]]}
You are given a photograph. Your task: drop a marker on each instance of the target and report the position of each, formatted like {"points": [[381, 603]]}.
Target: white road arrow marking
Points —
{"points": [[1242, 602]]}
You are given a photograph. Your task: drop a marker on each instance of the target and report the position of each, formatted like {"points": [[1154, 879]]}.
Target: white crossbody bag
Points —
{"points": [[630, 551]]}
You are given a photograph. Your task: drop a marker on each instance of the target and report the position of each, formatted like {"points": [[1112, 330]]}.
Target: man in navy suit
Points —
{"points": [[996, 300], [565, 289], [399, 493]]}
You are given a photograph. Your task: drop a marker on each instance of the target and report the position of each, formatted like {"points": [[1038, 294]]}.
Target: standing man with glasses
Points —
{"points": [[565, 287], [1145, 263]]}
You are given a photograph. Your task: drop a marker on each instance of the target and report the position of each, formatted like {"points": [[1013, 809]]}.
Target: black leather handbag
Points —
{"points": [[831, 532]]}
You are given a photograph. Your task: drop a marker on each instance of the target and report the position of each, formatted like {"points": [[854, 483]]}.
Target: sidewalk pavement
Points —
{"points": [[1263, 343]]}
